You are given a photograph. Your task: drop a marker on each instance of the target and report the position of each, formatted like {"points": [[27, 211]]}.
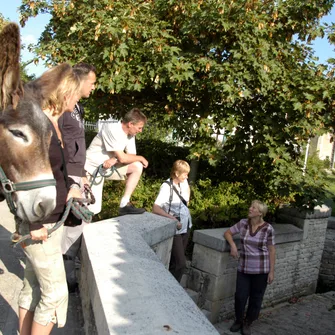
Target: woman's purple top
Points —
{"points": [[254, 255]]}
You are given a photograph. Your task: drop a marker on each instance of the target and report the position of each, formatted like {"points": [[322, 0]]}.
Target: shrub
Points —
{"points": [[143, 196], [89, 135], [216, 206]]}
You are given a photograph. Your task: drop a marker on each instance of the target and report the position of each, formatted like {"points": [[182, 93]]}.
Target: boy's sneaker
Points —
{"points": [[130, 209]]}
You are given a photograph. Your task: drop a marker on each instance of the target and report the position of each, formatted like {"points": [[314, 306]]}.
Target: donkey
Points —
{"points": [[26, 176]]}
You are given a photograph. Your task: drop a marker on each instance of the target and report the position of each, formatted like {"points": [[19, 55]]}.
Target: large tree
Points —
{"points": [[245, 66]]}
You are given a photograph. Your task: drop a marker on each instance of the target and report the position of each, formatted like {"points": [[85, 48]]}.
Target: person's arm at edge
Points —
{"points": [[233, 249], [160, 211], [125, 158]]}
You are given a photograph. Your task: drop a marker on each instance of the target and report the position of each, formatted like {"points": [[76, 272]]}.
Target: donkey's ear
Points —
{"points": [[10, 83]]}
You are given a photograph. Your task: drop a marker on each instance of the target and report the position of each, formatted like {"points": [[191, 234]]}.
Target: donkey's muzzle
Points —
{"points": [[35, 205]]}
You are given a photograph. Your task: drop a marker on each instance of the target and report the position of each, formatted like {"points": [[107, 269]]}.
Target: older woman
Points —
{"points": [[44, 297], [172, 202], [256, 264]]}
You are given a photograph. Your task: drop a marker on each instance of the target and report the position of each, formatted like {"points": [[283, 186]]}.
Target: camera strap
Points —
{"points": [[173, 188]]}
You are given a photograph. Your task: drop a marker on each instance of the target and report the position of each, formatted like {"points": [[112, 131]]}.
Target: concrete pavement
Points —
{"points": [[311, 315]]}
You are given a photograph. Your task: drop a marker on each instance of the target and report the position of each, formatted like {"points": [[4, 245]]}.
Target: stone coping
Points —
{"points": [[331, 223], [319, 212], [130, 290], [213, 238]]}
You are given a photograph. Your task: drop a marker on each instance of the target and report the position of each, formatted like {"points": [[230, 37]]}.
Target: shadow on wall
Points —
{"points": [[9, 256], [9, 280], [126, 288]]}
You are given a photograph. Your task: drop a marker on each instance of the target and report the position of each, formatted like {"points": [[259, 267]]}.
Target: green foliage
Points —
{"points": [[217, 206], [199, 66], [326, 177], [89, 136], [144, 196], [330, 181], [2, 21], [185, 61], [161, 156], [317, 164], [211, 206]]}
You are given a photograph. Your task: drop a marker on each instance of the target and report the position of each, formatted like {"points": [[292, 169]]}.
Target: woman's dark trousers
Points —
{"points": [[250, 286], [178, 259]]}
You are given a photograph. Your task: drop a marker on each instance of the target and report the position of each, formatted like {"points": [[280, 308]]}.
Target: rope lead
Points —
{"points": [[75, 205]]}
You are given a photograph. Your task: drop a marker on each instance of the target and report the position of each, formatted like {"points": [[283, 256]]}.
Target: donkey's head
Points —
{"points": [[25, 135]]}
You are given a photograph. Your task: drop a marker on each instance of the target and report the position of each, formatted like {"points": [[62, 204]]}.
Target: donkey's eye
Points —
{"points": [[19, 134]]}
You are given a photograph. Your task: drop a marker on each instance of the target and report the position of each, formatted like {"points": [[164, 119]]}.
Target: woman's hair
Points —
{"points": [[179, 167], [134, 116], [262, 207], [56, 85]]}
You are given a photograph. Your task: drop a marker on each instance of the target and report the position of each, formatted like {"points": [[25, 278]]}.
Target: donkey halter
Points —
{"points": [[9, 187]]}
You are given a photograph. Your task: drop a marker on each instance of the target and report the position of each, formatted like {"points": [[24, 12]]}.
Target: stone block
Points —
{"points": [[319, 212], [331, 222], [325, 277], [227, 309], [184, 280], [193, 295], [299, 222], [207, 314], [163, 251], [285, 233], [327, 265], [210, 260], [214, 307], [215, 288], [213, 238], [195, 280]]}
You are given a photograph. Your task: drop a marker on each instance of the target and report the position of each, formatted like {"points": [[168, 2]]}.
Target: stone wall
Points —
{"points": [[299, 246], [308, 253], [125, 286], [327, 270]]}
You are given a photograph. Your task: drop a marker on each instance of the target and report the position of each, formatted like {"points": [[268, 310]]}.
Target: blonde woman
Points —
{"points": [[44, 297], [172, 202], [256, 264]]}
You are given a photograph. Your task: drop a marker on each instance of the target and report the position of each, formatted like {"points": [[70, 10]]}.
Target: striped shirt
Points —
{"points": [[254, 255]]}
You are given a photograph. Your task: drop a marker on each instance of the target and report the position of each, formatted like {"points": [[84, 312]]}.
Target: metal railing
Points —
{"points": [[96, 126]]}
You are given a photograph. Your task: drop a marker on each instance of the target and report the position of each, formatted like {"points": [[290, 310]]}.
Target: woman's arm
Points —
{"points": [[272, 254], [233, 249], [158, 210]]}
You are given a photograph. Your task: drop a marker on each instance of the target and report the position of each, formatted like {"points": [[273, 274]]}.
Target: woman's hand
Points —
{"points": [[109, 163], [39, 233], [233, 249], [234, 252], [74, 193], [84, 181], [271, 277], [144, 162], [179, 225]]}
